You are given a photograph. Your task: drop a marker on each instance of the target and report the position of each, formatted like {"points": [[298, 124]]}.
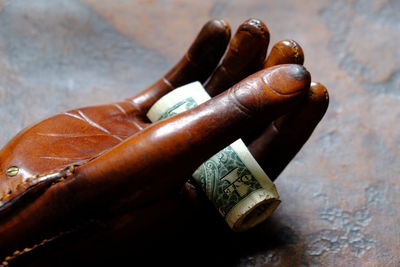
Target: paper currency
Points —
{"points": [[232, 179]]}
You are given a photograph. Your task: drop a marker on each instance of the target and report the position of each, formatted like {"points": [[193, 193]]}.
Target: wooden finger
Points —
{"points": [[196, 65], [285, 52], [245, 55], [283, 138]]}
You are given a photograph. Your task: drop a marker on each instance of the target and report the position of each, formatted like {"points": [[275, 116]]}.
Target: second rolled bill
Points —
{"points": [[232, 179]]}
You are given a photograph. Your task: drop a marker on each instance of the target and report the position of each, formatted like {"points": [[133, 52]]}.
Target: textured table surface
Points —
{"points": [[341, 204]]}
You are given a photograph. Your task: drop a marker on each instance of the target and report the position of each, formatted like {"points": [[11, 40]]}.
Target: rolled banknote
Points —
{"points": [[232, 179]]}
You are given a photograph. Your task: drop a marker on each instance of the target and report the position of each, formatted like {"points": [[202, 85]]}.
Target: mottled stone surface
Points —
{"points": [[341, 204]]}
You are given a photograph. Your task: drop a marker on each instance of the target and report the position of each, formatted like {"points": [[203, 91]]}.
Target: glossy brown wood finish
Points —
{"points": [[196, 65], [285, 52], [340, 193], [244, 56], [135, 165], [284, 137]]}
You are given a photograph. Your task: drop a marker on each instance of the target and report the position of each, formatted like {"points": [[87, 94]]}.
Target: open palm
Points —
{"points": [[94, 178]]}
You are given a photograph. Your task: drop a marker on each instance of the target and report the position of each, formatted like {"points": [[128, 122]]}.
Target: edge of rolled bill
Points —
{"points": [[232, 179]]}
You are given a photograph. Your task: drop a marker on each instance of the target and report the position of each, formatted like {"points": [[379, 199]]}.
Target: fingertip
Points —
{"points": [[257, 27], [319, 92], [210, 44], [274, 91], [309, 112], [244, 56], [285, 52], [287, 79], [319, 97], [218, 26]]}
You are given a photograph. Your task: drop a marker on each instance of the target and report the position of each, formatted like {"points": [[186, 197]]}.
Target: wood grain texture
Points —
{"points": [[340, 194]]}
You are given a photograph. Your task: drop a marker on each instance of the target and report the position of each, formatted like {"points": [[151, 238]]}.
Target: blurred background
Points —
{"points": [[341, 204]]}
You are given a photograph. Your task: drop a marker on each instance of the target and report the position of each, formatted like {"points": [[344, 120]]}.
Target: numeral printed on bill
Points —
{"points": [[232, 179]]}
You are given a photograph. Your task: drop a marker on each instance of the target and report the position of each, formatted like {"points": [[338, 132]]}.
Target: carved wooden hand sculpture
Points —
{"points": [[97, 176]]}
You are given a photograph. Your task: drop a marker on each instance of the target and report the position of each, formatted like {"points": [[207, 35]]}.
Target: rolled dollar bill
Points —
{"points": [[232, 179]]}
